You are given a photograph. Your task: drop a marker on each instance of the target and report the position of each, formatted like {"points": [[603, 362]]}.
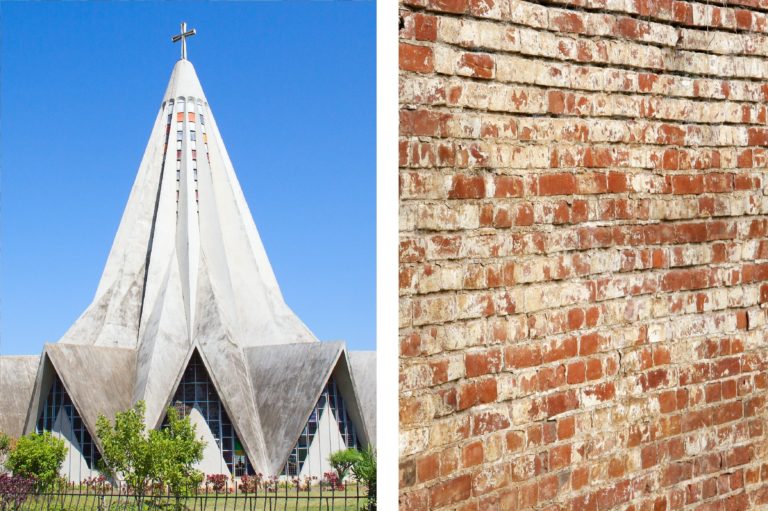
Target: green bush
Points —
{"points": [[342, 461], [365, 472], [180, 449], [127, 449], [39, 456], [141, 457]]}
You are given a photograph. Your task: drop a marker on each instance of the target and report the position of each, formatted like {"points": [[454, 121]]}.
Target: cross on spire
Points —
{"points": [[183, 38]]}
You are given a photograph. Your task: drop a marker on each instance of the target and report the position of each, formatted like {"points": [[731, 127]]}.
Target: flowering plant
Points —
{"points": [[14, 490], [218, 482], [331, 480], [272, 484], [99, 485], [251, 484], [304, 483]]}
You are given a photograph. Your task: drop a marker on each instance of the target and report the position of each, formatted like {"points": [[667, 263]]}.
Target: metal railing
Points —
{"points": [[350, 497]]}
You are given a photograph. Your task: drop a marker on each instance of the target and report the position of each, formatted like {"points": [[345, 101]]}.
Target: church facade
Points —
{"points": [[188, 313]]}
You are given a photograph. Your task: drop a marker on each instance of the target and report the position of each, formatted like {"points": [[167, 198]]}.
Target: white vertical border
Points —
{"points": [[387, 243]]}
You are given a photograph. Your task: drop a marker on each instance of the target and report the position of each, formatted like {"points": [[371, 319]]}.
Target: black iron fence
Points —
{"points": [[350, 497]]}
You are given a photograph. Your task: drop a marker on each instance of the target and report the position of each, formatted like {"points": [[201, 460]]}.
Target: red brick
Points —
{"points": [[515, 441], [488, 422], [467, 187], [568, 22], [428, 468], [683, 184], [478, 65], [450, 6], [589, 344], [561, 402], [450, 491], [557, 184], [522, 356], [416, 58], [486, 391], [559, 457], [737, 456], [472, 454], [576, 372], [556, 100], [484, 362], [425, 27], [508, 186]]}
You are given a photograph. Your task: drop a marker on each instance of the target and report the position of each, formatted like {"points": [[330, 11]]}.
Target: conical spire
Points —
{"points": [[186, 220]]}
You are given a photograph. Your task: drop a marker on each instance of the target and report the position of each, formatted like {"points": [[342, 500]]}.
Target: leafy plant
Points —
{"points": [[342, 461], [14, 490], [149, 461], [129, 451], [218, 482], [251, 484], [364, 471], [271, 484], [304, 483], [179, 449], [97, 484], [38, 456], [331, 480]]}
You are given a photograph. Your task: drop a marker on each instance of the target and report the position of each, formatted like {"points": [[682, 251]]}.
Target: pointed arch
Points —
{"points": [[60, 416], [328, 429], [196, 397]]}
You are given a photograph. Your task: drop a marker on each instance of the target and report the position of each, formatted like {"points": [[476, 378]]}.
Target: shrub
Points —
{"points": [[14, 490], [218, 482], [98, 484], [251, 484], [331, 480], [38, 456], [272, 483], [304, 483], [180, 449], [128, 450], [149, 461], [342, 461], [365, 472]]}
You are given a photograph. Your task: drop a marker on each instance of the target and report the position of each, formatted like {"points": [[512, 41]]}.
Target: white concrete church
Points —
{"points": [[188, 313]]}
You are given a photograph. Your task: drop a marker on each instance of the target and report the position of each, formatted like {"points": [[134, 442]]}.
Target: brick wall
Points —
{"points": [[583, 255]]}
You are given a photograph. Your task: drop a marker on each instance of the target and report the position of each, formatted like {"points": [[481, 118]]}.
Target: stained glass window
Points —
{"points": [[196, 390], [331, 396], [58, 401]]}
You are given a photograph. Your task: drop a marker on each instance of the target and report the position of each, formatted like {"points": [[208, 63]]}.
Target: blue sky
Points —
{"points": [[292, 86]]}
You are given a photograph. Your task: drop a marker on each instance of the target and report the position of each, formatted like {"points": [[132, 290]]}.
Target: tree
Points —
{"points": [[141, 457], [365, 472], [180, 449], [38, 456], [128, 450], [342, 461]]}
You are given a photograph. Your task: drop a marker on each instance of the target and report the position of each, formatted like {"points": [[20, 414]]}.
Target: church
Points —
{"points": [[188, 313]]}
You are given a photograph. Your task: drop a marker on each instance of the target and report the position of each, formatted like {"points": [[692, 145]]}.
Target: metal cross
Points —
{"points": [[183, 38]]}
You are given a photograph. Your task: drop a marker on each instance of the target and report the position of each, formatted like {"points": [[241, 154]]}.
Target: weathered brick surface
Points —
{"points": [[583, 255]]}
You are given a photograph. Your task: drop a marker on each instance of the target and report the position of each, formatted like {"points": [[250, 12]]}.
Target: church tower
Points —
{"points": [[188, 313]]}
